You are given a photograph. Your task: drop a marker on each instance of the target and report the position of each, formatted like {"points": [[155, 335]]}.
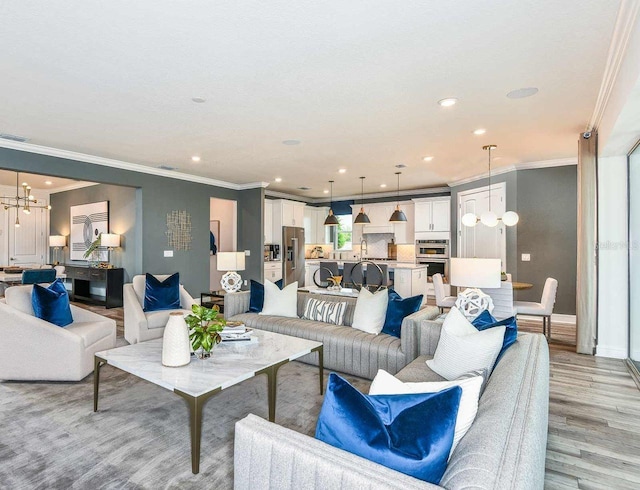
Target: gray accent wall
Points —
{"points": [[548, 228], [157, 197]]}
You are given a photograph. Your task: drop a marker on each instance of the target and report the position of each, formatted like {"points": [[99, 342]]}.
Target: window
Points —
{"points": [[342, 239]]}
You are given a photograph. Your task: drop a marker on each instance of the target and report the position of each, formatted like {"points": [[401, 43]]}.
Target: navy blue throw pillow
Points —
{"points": [[52, 304], [397, 309], [256, 297], [162, 295], [382, 428], [486, 320]]}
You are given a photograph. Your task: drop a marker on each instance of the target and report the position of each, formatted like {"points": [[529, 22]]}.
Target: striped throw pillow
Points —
{"points": [[324, 311]]}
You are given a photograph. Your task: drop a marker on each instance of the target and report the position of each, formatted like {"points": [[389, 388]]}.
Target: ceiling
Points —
{"points": [[357, 83], [8, 178]]}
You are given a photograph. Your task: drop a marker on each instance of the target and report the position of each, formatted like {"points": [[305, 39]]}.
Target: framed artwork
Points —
{"points": [[87, 222]]}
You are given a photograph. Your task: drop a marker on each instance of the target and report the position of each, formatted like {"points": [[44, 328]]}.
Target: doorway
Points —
{"points": [[223, 231], [483, 241], [634, 256]]}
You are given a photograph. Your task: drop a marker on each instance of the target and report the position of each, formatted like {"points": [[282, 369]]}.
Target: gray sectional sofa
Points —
{"points": [[504, 449], [346, 349]]}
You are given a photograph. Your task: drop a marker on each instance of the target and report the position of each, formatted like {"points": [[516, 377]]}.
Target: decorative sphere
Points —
{"points": [[489, 219], [469, 219], [471, 302], [510, 218]]}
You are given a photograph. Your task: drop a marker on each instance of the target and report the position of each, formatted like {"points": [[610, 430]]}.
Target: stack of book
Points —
{"points": [[234, 331]]}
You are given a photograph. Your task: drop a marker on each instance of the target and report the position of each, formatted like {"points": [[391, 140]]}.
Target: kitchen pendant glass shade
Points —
{"points": [[362, 218], [331, 220], [510, 218], [489, 219], [398, 216], [469, 220]]}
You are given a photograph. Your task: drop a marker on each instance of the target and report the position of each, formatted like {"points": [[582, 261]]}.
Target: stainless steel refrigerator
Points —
{"points": [[293, 256]]}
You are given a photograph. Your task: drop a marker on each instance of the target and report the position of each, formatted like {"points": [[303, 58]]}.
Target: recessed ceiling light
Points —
{"points": [[326, 191], [480, 131], [521, 93], [342, 171], [47, 182], [291, 142], [427, 159], [448, 102], [198, 100], [195, 158], [383, 185], [401, 165], [278, 179]]}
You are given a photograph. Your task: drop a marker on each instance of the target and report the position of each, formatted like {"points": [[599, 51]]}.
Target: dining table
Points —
{"points": [[520, 286]]}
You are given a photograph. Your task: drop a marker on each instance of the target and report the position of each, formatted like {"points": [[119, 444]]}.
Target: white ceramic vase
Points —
{"points": [[176, 348]]}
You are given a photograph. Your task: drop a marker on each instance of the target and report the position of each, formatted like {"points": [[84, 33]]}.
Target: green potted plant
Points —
{"points": [[93, 250], [205, 325]]}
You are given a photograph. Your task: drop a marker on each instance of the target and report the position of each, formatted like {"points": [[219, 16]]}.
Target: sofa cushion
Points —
{"points": [[51, 304], [280, 302], [350, 301], [325, 311], [371, 309], [382, 428], [463, 348], [159, 319], [19, 297], [397, 309], [91, 332], [256, 299], [162, 294], [486, 320]]}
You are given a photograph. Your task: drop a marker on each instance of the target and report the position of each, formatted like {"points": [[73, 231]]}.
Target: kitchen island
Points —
{"points": [[408, 279]]}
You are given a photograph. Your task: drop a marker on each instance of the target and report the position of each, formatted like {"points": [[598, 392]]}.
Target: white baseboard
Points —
{"points": [[613, 352], [555, 318]]}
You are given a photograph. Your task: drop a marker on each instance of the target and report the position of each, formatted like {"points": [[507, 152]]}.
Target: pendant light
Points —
{"points": [[331, 220], [489, 218], [362, 218], [398, 215]]}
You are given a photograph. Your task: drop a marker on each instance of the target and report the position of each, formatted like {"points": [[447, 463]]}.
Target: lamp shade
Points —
{"points": [[230, 261], [110, 240], [475, 273], [57, 241]]}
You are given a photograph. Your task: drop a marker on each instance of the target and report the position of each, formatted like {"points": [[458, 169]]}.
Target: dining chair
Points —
{"points": [[377, 276], [324, 272], [351, 277], [36, 276], [544, 308], [503, 305], [442, 300]]}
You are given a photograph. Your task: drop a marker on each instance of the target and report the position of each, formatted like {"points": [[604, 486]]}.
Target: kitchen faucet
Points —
{"points": [[363, 248]]}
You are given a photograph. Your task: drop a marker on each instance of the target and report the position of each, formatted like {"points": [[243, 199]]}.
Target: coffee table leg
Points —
{"points": [[195, 403], [272, 387], [320, 352], [98, 362]]}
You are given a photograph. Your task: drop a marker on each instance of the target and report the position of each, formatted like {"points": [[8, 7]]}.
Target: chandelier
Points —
{"points": [[489, 218], [26, 201]]}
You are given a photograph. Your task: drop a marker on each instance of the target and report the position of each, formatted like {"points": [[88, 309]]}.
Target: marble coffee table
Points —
{"points": [[230, 364]]}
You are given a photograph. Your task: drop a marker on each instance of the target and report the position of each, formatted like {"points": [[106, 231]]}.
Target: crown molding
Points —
{"points": [[133, 167], [558, 162], [622, 30]]}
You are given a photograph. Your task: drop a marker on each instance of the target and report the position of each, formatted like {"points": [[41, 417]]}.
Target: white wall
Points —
{"points": [[613, 308], [224, 211]]}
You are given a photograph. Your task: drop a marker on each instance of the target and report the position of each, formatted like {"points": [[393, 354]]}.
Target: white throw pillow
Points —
{"points": [[280, 302], [387, 384], [370, 311], [463, 348]]}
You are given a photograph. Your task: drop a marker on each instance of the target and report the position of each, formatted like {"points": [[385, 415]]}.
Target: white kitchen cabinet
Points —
{"points": [[432, 214], [314, 230], [286, 213], [273, 271], [268, 221], [409, 282], [379, 214], [405, 232]]}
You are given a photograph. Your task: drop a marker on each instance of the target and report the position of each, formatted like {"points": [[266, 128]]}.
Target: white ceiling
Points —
{"points": [[8, 178], [356, 82]]}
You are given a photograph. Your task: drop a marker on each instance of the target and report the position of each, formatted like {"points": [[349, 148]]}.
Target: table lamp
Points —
{"points": [[475, 273], [57, 242], [110, 240], [230, 262]]}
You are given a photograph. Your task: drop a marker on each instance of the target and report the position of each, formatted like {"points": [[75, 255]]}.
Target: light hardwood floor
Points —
{"points": [[594, 415]]}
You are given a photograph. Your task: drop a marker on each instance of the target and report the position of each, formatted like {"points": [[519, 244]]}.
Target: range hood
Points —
{"points": [[377, 229]]}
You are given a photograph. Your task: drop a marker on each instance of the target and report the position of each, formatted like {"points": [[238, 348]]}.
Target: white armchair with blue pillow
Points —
{"points": [[33, 349], [141, 325]]}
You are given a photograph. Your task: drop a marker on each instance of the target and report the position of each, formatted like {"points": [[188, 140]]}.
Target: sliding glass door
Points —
{"points": [[634, 256]]}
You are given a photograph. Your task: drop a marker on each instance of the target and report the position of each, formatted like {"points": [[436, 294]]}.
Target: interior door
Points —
{"points": [[482, 241], [26, 242]]}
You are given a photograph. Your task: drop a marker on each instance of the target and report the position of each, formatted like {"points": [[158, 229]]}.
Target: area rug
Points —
{"points": [[51, 438]]}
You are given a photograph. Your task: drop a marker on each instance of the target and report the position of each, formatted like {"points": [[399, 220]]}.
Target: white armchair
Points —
{"points": [[35, 350], [140, 325]]}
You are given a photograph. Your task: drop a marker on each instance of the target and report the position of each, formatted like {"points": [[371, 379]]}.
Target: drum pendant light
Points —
{"points": [[331, 220], [362, 218], [398, 215]]}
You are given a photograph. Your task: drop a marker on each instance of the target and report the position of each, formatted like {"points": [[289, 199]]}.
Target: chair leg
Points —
{"points": [[549, 327], [544, 326]]}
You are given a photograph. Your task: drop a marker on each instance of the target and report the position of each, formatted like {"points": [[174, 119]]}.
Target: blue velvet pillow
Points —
{"points": [[256, 297], [397, 309], [162, 295], [52, 304], [486, 320], [383, 428]]}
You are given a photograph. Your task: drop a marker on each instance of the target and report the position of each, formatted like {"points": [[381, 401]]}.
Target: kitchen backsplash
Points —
{"points": [[309, 248]]}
